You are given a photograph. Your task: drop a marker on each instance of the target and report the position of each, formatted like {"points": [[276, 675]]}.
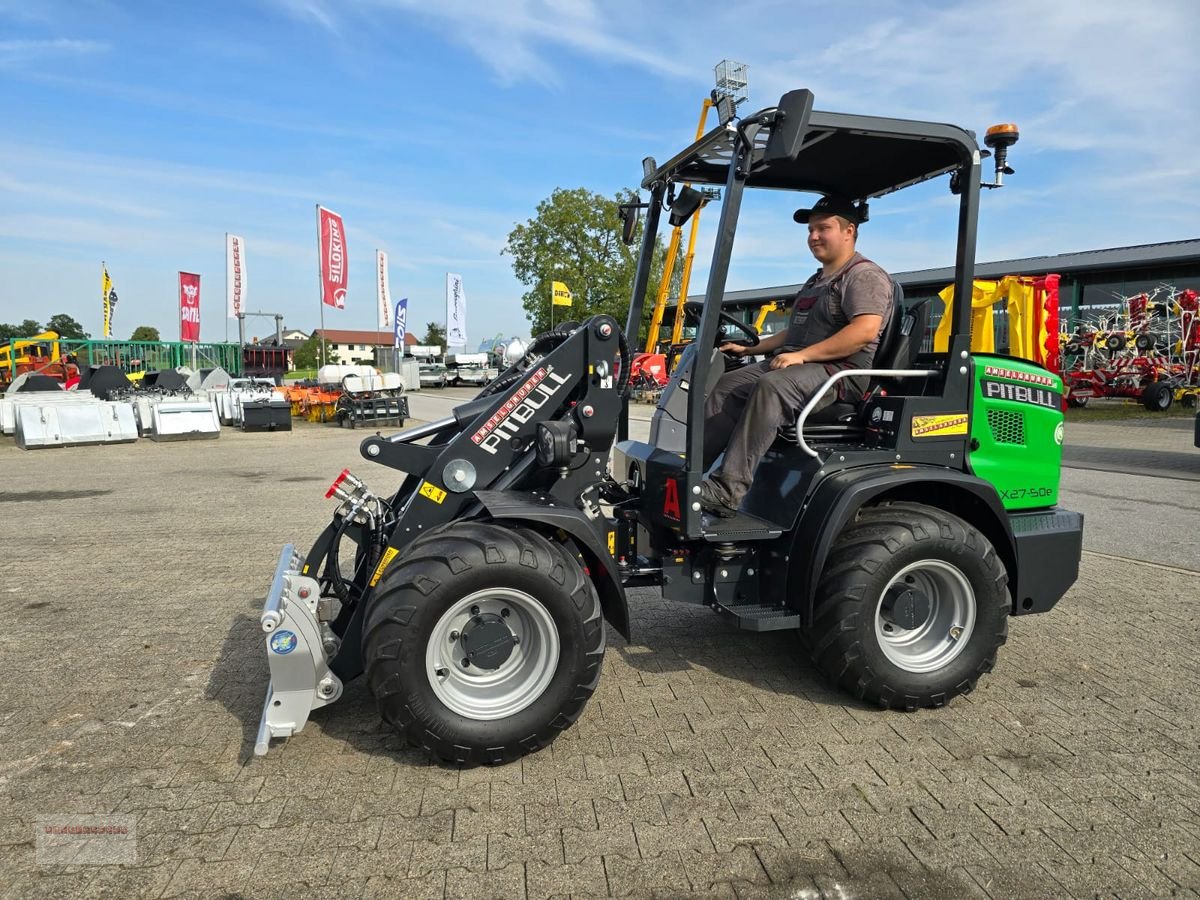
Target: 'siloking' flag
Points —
{"points": [[383, 293], [401, 320], [108, 297], [561, 296], [331, 244], [235, 274]]}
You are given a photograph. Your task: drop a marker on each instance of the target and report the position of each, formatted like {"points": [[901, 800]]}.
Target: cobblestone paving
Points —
{"points": [[710, 762]]}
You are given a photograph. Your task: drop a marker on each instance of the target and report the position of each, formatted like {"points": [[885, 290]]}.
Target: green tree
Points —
{"points": [[435, 335], [575, 238], [307, 355], [67, 327], [28, 328], [145, 333]]}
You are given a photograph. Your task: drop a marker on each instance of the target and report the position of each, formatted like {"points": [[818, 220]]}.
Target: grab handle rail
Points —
{"points": [[838, 376]]}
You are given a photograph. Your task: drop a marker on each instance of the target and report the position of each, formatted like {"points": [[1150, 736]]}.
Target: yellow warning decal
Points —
{"points": [[388, 555], [612, 543], [432, 491], [939, 426]]}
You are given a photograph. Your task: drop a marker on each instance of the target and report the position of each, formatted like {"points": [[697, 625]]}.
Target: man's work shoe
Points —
{"points": [[711, 501]]}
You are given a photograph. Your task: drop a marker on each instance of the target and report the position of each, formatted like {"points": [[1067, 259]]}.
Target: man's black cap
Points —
{"points": [[833, 206]]}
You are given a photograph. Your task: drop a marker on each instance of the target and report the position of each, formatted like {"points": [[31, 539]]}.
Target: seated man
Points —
{"points": [[836, 322]]}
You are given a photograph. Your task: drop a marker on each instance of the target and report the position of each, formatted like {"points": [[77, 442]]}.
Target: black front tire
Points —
{"points": [[869, 553], [434, 574]]}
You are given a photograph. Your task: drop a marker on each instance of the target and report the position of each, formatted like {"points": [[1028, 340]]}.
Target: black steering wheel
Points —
{"points": [[726, 323]]}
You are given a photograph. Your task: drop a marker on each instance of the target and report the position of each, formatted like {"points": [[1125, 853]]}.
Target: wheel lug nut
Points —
{"points": [[466, 663], [504, 612], [453, 636], [474, 610]]}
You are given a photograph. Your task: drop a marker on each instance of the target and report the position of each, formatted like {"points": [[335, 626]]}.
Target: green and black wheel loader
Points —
{"points": [[898, 533]]}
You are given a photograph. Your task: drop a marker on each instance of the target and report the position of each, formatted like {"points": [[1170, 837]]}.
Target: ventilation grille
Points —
{"points": [[1007, 427]]}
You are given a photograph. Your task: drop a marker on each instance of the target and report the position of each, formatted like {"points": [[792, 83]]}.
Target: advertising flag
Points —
{"points": [[331, 239], [456, 311], [108, 297], [401, 320], [235, 274], [561, 296], [382, 293], [189, 307]]}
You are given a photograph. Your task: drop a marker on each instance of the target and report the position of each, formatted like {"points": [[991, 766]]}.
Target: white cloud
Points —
{"points": [[311, 11], [518, 39], [19, 51], [1104, 94], [54, 193]]}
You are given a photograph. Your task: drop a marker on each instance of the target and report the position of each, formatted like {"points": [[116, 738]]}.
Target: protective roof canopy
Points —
{"points": [[852, 156]]}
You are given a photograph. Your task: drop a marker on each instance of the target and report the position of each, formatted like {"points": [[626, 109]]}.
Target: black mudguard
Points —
{"points": [[539, 511], [837, 499]]}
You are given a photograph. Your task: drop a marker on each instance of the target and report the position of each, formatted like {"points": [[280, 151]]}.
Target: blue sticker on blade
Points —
{"points": [[283, 642]]}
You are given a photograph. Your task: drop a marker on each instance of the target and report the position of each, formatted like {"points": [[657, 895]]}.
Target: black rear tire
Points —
{"points": [[423, 586], [872, 551], [1077, 402], [1157, 397]]}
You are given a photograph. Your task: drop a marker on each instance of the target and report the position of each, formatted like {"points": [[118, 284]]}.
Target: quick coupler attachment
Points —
{"points": [[298, 649]]}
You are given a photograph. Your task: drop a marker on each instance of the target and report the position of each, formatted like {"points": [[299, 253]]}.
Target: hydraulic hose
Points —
{"points": [[623, 386]]}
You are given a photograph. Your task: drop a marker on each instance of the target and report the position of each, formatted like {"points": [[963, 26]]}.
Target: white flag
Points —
{"points": [[456, 311], [383, 294], [235, 274]]}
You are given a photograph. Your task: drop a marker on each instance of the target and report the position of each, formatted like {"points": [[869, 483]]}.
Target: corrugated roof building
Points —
{"points": [[1090, 277]]}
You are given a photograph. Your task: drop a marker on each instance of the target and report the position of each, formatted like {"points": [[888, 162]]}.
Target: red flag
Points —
{"points": [[333, 258], [189, 307]]}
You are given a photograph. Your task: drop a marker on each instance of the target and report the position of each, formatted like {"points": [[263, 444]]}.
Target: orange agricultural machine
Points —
{"points": [[41, 354]]}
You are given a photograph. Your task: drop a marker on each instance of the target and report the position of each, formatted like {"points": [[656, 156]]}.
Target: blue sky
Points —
{"points": [[139, 133]]}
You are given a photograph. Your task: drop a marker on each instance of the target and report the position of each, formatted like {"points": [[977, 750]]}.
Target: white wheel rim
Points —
{"points": [[489, 694], [945, 632]]}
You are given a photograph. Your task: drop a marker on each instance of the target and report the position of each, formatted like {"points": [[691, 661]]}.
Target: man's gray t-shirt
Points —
{"points": [[860, 287]]}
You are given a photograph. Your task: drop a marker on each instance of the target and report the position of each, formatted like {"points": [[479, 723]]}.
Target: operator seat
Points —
{"points": [[898, 348]]}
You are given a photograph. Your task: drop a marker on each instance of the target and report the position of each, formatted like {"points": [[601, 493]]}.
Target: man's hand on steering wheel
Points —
{"points": [[728, 324], [738, 350]]}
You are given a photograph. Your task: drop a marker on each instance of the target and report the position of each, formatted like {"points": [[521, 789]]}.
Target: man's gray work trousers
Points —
{"points": [[744, 412]]}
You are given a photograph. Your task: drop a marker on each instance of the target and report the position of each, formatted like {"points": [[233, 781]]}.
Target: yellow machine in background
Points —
{"points": [[731, 90], [40, 346], [1032, 317], [40, 353], [660, 302]]}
